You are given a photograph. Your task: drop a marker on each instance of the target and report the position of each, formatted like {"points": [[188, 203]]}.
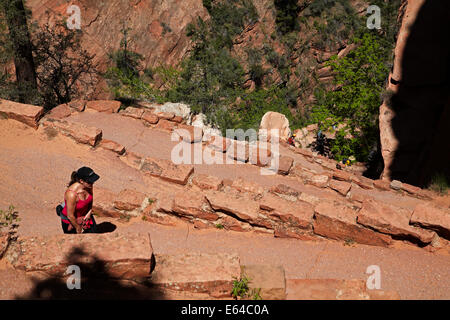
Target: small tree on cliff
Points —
{"points": [[64, 69]]}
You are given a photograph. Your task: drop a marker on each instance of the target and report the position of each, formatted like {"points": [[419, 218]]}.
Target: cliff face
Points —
{"points": [[414, 122], [157, 27]]}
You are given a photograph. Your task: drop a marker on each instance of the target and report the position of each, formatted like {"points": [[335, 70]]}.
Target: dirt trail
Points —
{"points": [[35, 169]]}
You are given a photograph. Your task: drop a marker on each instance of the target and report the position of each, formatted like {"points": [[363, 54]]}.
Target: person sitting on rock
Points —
{"points": [[291, 140], [76, 215]]}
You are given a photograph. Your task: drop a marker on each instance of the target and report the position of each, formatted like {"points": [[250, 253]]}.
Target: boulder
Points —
{"points": [[267, 280], [212, 274], [25, 113], [431, 217], [123, 256], [276, 121], [108, 106], [75, 130], [391, 220], [337, 221]]}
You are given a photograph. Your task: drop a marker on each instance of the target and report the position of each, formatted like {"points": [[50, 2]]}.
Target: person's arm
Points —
{"points": [[71, 201]]}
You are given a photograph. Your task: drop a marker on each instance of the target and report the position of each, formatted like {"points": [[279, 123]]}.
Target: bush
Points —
{"points": [[439, 184], [360, 78]]}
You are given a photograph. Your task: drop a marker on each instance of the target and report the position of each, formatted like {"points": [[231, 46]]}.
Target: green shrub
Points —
{"points": [[439, 184], [9, 217]]}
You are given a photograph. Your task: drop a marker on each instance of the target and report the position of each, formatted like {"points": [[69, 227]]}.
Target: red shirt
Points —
{"points": [[82, 207]]}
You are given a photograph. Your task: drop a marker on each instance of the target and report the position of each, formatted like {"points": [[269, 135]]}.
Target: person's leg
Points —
{"points": [[65, 227]]}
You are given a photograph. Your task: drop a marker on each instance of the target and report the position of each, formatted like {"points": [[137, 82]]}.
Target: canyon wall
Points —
{"points": [[414, 119]]}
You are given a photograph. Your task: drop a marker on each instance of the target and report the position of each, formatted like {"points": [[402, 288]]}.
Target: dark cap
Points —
{"points": [[87, 174]]}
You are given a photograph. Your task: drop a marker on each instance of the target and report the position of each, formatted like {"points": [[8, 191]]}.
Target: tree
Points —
{"points": [[64, 69], [16, 18]]}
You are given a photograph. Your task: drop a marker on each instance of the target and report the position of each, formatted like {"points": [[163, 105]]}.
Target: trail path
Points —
{"points": [[35, 170]]}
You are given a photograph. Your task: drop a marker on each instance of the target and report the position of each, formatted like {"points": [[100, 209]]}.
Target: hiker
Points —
{"points": [[76, 215], [292, 139]]}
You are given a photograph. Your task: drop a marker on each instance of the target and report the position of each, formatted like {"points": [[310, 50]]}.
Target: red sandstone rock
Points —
{"points": [[334, 289], [60, 112], [230, 223], [193, 204], [166, 115], [363, 182], [108, 106], [304, 152], [197, 272], [113, 146], [24, 113], [340, 186], [320, 181], [124, 256], [133, 112], [150, 117], [341, 175], [167, 170], [77, 131], [431, 217], [77, 105], [207, 182], [240, 205], [268, 279], [284, 189], [166, 125], [129, 200], [391, 220], [177, 119], [285, 165], [103, 204], [336, 221], [189, 134], [247, 186], [294, 213], [382, 184], [132, 159]]}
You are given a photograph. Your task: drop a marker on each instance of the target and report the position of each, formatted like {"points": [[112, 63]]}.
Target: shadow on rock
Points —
{"points": [[106, 227], [95, 282]]}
